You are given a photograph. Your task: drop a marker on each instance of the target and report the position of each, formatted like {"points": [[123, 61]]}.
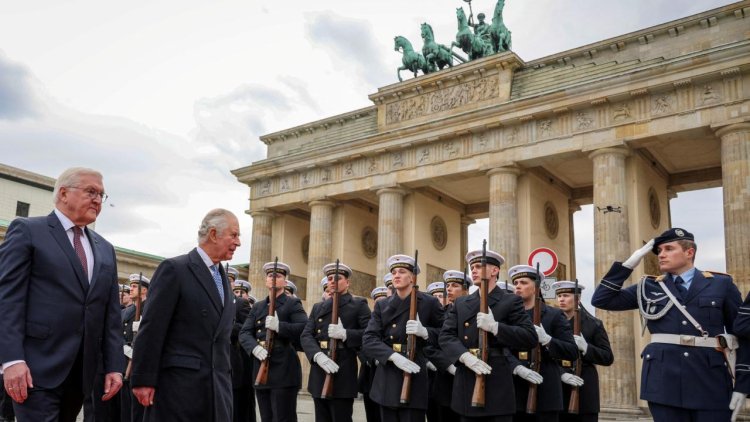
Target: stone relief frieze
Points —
{"points": [[544, 128], [285, 184], [443, 99], [450, 150], [397, 159], [709, 95], [349, 169], [621, 112], [423, 156], [662, 104], [372, 165], [583, 121], [326, 175]]}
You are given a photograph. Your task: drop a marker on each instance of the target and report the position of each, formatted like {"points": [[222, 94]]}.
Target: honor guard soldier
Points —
{"points": [[593, 349], [232, 274], [353, 316], [685, 376], [367, 368], [386, 340], [252, 300], [324, 287], [506, 324], [555, 338], [441, 381], [277, 397], [130, 409], [437, 290], [388, 283], [243, 394], [290, 289], [125, 300]]}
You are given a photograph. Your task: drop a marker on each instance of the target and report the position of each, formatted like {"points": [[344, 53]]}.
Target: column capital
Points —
{"points": [[264, 212], [467, 220], [323, 202], [391, 189], [736, 127], [512, 169], [624, 151], [573, 207]]}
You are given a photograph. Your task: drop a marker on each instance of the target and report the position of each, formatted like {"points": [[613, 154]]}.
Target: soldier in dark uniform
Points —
{"points": [[367, 368], [130, 409], [232, 275], [386, 341], [594, 349], [125, 300], [684, 376], [290, 289], [441, 380], [243, 394], [556, 339], [506, 324], [353, 316], [388, 283], [277, 399]]}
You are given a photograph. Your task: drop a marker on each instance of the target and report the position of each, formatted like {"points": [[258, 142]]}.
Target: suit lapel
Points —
{"points": [[94, 243], [205, 279], [58, 233], [697, 285]]}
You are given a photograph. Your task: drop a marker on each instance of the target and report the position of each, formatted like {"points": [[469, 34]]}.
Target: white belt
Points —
{"points": [[684, 340]]}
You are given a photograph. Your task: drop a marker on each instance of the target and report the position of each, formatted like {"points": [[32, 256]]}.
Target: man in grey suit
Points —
{"points": [[61, 312], [181, 365]]}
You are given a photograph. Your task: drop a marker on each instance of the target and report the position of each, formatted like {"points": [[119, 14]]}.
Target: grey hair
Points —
{"points": [[70, 178], [215, 219]]}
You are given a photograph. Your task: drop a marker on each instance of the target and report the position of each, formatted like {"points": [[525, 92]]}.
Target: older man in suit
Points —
{"points": [[181, 364], [61, 312]]}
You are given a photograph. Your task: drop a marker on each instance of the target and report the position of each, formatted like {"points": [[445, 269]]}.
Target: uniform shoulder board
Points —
{"points": [[710, 274], [649, 277], [660, 278]]}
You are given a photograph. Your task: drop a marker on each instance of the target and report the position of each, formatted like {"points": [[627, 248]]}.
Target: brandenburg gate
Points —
{"points": [[624, 124]]}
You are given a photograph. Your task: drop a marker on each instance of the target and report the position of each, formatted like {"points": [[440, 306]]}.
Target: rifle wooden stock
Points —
{"points": [[411, 345], [262, 377], [478, 395], [332, 342], [575, 396], [536, 354]]}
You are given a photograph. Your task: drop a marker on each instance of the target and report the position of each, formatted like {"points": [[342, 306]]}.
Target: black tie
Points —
{"points": [[680, 284]]}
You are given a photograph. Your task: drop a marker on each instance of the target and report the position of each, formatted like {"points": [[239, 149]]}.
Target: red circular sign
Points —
{"points": [[546, 258]]}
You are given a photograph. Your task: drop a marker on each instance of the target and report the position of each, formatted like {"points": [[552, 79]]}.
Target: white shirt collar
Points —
{"points": [[64, 220], [204, 256]]}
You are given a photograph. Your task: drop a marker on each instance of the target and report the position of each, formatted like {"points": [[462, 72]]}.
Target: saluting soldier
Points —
{"points": [[555, 336], [353, 316], [367, 368], [277, 398], [593, 349], [243, 394], [684, 377], [506, 324], [386, 341]]}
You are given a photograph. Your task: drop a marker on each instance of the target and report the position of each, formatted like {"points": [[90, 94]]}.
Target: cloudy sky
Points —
{"points": [[165, 97]]}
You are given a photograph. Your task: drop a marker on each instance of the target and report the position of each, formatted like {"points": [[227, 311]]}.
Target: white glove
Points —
{"points": [[128, 351], [475, 364], [260, 352], [403, 363], [414, 326], [736, 404], [571, 379], [487, 322], [544, 338], [326, 363], [431, 367], [452, 369], [528, 374], [272, 322], [135, 326], [581, 343], [638, 255], [337, 331]]}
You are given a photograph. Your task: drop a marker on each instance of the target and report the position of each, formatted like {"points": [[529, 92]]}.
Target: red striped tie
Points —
{"points": [[78, 246]]}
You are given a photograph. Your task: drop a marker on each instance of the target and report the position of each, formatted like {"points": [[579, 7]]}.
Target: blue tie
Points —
{"points": [[217, 280], [680, 284]]}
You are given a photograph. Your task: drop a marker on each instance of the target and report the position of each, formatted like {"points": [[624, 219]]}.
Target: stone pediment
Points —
{"points": [[479, 83]]}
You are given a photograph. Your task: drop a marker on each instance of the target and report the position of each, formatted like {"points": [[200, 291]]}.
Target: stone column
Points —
{"points": [[390, 227], [504, 215], [735, 180], [321, 239], [260, 251], [465, 223], [611, 243], [572, 209]]}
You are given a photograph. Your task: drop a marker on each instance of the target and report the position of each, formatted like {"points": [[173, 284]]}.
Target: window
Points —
{"points": [[22, 209]]}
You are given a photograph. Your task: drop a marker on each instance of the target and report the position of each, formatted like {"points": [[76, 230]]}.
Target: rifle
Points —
{"points": [[536, 353], [333, 343], [477, 397], [411, 341], [573, 405], [262, 377], [138, 304]]}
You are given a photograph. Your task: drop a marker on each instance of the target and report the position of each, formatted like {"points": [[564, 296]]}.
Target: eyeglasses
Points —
{"points": [[92, 193]]}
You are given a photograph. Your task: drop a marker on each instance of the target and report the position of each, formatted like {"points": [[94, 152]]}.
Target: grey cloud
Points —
{"points": [[18, 97], [352, 42]]}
